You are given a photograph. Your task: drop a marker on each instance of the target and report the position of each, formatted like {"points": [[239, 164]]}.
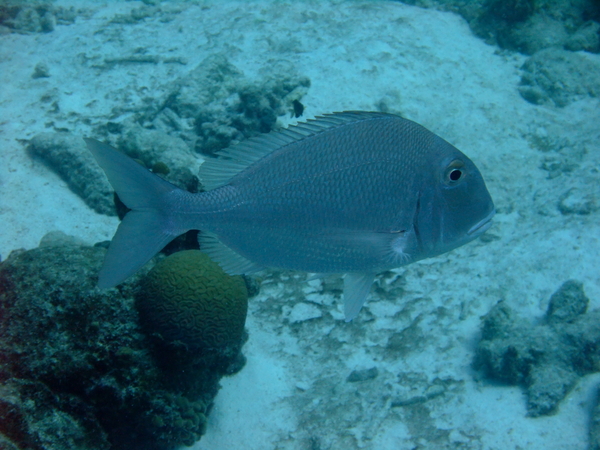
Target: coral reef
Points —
{"points": [[548, 358], [77, 369], [528, 26]]}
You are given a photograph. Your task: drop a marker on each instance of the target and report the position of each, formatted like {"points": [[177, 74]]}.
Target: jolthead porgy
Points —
{"points": [[353, 192]]}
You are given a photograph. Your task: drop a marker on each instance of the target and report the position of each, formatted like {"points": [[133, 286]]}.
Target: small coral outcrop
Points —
{"points": [[188, 299], [547, 358], [194, 314]]}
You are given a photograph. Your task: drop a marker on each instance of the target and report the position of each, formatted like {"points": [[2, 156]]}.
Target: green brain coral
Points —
{"points": [[188, 299]]}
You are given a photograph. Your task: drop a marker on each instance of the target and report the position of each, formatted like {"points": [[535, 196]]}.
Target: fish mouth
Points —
{"points": [[483, 225]]}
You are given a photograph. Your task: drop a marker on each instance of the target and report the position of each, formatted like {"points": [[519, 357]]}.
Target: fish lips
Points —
{"points": [[483, 225]]}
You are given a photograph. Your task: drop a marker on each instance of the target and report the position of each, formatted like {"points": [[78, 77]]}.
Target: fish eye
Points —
{"points": [[454, 173]]}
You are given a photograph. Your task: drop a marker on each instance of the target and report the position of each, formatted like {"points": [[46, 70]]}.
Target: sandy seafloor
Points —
{"points": [[429, 67]]}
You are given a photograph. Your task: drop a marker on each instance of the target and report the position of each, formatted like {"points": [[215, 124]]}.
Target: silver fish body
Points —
{"points": [[354, 192]]}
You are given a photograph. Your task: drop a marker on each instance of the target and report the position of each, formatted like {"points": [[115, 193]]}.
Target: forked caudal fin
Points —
{"points": [[148, 227]]}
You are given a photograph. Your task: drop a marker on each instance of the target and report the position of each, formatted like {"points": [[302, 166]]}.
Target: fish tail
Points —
{"points": [[151, 223]]}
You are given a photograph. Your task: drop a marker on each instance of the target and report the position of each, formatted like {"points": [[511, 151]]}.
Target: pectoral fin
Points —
{"points": [[356, 289]]}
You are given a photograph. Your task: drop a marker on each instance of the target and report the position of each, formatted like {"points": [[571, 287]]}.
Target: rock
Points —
{"points": [[362, 375], [587, 37], [559, 77], [154, 147], [539, 32], [546, 359], [567, 303], [214, 104], [301, 312], [526, 26], [577, 201], [594, 437], [41, 71], [60, 239], [69, 157]]}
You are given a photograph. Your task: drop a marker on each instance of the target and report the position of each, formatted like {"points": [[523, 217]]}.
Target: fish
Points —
{"points": [[354, 193]]}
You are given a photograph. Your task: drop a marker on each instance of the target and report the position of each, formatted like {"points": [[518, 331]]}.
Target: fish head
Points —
{"points": [[455, 206]]}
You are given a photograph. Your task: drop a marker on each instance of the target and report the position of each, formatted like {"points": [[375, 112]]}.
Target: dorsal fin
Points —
{"points": [[218, 171]]}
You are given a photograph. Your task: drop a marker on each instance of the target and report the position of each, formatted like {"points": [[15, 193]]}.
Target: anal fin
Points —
{"points": [[230, 261]]}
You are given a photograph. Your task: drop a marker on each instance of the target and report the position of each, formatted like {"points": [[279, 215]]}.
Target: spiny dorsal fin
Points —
{"points": [[216, 172]]}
